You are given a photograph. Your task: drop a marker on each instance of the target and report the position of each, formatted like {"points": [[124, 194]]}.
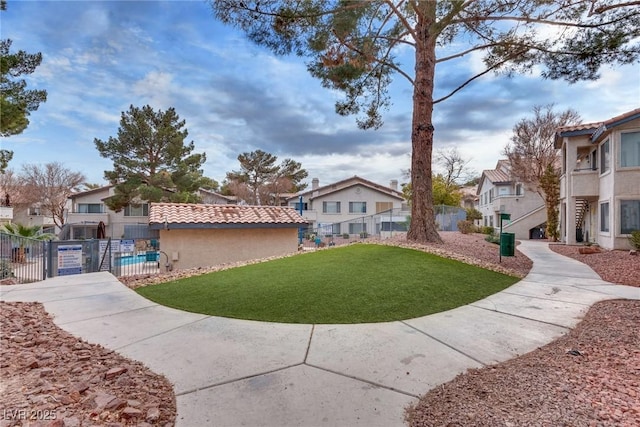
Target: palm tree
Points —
{"points": [[22, 233]]}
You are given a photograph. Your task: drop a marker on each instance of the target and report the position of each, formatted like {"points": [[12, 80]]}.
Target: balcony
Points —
{"points": [[584, 183], [76, 217], [499, 203], [310, 215], [6, 214]]}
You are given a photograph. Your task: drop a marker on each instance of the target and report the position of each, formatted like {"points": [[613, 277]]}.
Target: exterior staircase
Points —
{"points": [[582, 206]]}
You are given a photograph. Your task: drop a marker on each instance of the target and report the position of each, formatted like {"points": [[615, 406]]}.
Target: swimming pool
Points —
{"points": [[139, 258]]}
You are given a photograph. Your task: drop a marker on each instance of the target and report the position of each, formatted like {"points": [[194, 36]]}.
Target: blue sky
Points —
{"points": [[101, 57]]}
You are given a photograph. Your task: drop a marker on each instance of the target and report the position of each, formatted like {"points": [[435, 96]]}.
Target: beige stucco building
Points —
{"points": [[87, 210], [498, 192], [340, 207], [600, 182], [200, 235]]}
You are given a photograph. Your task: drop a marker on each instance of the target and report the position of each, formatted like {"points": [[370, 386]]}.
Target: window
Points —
{"points": [[89, 207], [297, 206], [491, 221], [629, 216], [357, 227], [518, 189], [136, 210], [330, 207], [139, 231], [604, 217], [336, 229], [604, 157], [357, 207], [630, 149], [84, 232]]}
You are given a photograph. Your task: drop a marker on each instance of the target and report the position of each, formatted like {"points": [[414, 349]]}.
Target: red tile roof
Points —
{"points": [[596, 125], [220, 215], [594, 130]]}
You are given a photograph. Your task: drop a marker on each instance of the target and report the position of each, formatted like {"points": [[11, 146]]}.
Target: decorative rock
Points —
{"points": [[46, 372], [102, 400], [129, 412], [80, 387], [153, 414], [32, 364], [115, 372]]}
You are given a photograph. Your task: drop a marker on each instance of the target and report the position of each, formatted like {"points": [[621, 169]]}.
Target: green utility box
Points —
{"points": [[507, 244]]}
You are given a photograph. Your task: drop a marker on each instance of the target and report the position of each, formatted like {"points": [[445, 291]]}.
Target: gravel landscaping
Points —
{"points": [[589, 377]]}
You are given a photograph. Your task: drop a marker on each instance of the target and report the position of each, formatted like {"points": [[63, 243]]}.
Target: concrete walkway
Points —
{"points": [[229, 372]]}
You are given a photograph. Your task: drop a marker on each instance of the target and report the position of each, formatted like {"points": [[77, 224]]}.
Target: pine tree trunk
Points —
{"points": [[423, 226]]}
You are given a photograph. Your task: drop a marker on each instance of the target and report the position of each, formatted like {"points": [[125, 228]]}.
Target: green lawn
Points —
{"points": [[351, 284]]}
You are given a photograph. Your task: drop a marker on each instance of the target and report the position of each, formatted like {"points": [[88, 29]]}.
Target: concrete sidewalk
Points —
{"points": [[229, 372]]}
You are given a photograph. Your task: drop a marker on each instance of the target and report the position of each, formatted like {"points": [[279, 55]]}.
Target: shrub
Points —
{"points": [[5, 269], [634, 239], [493, 238], [486, 230], [345, 235], [466, 227], [364, 234], [473, 214]]}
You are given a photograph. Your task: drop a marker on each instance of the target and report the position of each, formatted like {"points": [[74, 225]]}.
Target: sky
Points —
{"points": [[100, 57]]}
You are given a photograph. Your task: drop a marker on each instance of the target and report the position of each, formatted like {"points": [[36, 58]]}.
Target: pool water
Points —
{"points": [[137, 259]]}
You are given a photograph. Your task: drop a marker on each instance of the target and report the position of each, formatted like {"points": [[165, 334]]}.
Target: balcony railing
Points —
{"points": [[584, 183], [75, 217], [6, 213]]}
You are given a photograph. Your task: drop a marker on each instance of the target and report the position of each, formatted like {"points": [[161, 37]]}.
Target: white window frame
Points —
{"points": [[604, 223], [362, 210], [625, 158], [624, 211], [328, 203], [605, 156]]}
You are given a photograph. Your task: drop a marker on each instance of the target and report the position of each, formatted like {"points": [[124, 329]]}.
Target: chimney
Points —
{"points": [[315, 183], [394, 184]]}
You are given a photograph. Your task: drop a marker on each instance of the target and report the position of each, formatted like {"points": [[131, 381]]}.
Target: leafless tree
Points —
{"points": [[14, 192], [52, 184], [532, 149], [455, 168], [534, 159]]}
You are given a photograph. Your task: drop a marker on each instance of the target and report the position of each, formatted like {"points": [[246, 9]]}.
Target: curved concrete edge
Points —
{"points": [[237, 372]]}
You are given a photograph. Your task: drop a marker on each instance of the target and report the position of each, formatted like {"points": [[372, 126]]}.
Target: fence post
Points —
{"points": [[44, 262], [50, 259]]}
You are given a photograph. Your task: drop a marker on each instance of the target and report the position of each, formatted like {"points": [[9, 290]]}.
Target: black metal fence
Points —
{"points": [[27, 260], [21, 259], [121, 257]]}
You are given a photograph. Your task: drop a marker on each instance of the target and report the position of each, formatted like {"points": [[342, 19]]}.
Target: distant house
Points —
{"points": [[600, 182], [498, 192], [340, 207], [198, 235], [88, 209], [210, 197]]}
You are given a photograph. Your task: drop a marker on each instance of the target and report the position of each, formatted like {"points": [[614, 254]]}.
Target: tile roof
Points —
{"points": [[347, 183], [210, 216], [596, 129], [497, 176]]}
